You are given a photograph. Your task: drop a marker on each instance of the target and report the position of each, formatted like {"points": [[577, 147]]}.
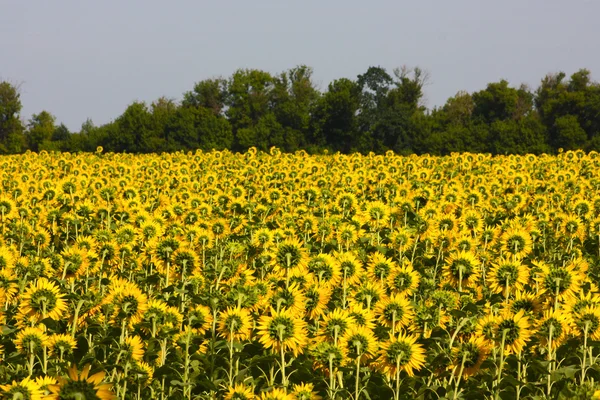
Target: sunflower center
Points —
{"points": [[402, 281], [558, 280], [507, 274], [463, 267], [78, 390], [43, 298], [393, 311], [281, 328], [233, 323], [288, 256], [399, 353], [512, 330]]}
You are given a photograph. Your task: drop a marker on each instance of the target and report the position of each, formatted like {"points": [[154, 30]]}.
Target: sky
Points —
{"points": [[90, 59]]}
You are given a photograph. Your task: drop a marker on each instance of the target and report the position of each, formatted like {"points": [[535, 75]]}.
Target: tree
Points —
{"points": [[209, 93], [133, 130], [568, 133], [335, 116], [40, 129], [248, 98], [198, 127], [292, 100], [11, 128], [499, 102]]}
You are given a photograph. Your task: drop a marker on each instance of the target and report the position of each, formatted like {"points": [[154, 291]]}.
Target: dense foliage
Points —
{"points": [[377, 111], [285, 276]]}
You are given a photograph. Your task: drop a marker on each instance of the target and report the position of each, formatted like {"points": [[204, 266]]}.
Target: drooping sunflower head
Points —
{"points": [[43, 299], [283, 329], [81, 386], [305, 391], [587, 322], [400, 353], [512, 330], [462, 269], [62, 344], [469, 355], [132, 349], [239, 392], [27, 389], [507, 275], [554, 328], [358, 342], [379, 266], [395, 311], [31, 340], [235, 324]]}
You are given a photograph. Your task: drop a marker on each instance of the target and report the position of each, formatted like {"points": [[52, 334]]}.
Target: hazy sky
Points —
{"points": [[89, 59]]}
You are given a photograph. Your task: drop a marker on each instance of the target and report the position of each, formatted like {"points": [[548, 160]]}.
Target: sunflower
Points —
{"points": [[401, 239], [368, 294], [75, 262], [325, 269], [462, 269], [486, 327], [358, 342], [317, 298], [379, 267], [335, 324], [8, 285], [513, 331], [290, 254], [468, 356], [506, 275], [291, 299], [142, 372], [350, 267], [199, 318], [282, 330], [347, 235], [517, 242], [582, 300], [25, 389], [554, 326], [574, 228], [31, 340], [133, 349], [235, 324], [44, 382], [327, 357], [404, 280], [587, 322], [376, 214], [305, 391], [129, 303], [61, 344], [526, 301], [81, 386], [239, 392], [400, 353], [395, 312], [276, 394], [43, 299], [561, 282]]}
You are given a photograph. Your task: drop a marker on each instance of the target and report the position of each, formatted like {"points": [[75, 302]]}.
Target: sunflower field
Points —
{"points": [[216, 275]]}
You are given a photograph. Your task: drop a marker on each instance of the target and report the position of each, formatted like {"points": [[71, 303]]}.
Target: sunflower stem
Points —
{"points": [[462, 368], [584, 360], [501, 367]]}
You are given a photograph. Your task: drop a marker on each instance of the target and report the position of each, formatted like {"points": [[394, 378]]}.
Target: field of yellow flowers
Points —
{"points": [[288, 276]]}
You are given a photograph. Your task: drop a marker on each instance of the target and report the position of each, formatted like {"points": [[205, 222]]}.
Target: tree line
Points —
{"points": [[378, 111]]}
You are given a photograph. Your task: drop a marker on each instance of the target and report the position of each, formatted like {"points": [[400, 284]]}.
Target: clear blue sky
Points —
{"points": [[90, 59]]}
